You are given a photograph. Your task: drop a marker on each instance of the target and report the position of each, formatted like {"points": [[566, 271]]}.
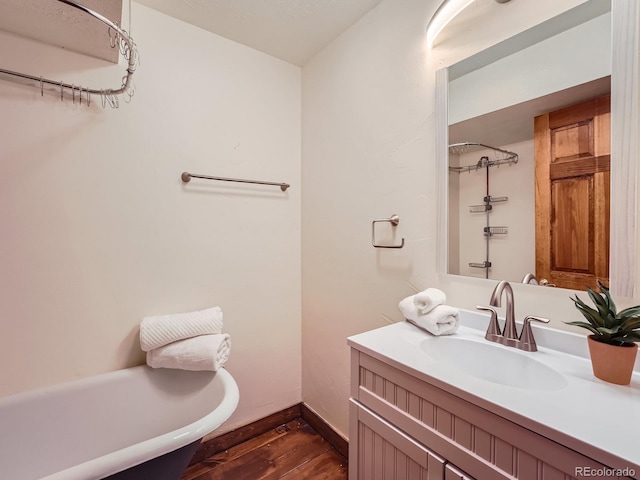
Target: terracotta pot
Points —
{"points": [[612, 363]]}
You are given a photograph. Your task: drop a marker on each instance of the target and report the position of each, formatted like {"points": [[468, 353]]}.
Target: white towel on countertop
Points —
{"points": [[428, 299], [161, 330], [408, 308], [442, 320], [205, 352]]}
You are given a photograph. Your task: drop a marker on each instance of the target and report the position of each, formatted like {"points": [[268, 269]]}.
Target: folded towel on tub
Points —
{"points": [[164, 329], [205, 352], [428, 299]]}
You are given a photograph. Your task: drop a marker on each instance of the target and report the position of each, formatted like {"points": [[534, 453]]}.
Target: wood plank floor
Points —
{"points": [[291, 451]]}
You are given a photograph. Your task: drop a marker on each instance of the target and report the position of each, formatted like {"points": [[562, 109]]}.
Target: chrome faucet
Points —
{"points": [[531, 278], [509, 336]]}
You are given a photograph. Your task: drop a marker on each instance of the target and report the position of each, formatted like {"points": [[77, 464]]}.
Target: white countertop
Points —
{"points": [[599, 419]]}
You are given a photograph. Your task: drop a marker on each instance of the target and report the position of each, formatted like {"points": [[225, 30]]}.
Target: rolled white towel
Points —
{"points": [[164, 329], [428, 299], [408, 308], [442, 320], [205, 352]]}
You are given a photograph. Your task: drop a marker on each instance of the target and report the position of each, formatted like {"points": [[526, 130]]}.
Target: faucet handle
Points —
{"points": [[528, 343], [493, 331]]}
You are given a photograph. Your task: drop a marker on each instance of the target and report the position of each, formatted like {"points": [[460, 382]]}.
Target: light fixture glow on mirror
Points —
{"points": [[445, 13]]}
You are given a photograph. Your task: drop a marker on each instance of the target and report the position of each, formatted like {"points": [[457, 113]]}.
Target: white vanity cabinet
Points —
{"points": [[404, 427], [383, 451]]}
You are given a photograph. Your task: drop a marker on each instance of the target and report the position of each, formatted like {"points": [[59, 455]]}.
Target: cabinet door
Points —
{"points": [[379, 451], [452, 473]]}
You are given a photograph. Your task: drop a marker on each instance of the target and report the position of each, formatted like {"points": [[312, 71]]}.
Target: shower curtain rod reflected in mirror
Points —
{"points": [[507, 157], [128, 50]]}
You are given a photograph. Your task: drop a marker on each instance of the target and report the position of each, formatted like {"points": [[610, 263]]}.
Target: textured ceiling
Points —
{"points": [[292, 30], [58, 24]]}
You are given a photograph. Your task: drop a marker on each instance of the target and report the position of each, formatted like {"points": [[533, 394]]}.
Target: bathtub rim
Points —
{"points": [[136, 454]]}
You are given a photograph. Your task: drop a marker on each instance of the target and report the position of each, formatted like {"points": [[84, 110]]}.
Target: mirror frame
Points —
{"points": [[625, 151]]}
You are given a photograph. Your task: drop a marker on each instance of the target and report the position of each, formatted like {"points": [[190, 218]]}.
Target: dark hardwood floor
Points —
{"points": [[291, 451]]}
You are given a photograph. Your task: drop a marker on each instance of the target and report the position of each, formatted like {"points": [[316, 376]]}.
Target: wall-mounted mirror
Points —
{"points": [[493, 211]]}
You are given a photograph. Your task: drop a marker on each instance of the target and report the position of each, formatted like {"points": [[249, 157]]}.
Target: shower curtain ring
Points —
{"points": [[61, 93], [41, 88]]}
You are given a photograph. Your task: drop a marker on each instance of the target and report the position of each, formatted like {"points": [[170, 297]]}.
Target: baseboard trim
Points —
{"points": [[325, 430], [225, 441]]}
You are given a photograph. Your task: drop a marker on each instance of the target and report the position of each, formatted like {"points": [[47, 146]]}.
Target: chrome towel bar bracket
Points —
{"points": [[186, 178], [393, 220]]}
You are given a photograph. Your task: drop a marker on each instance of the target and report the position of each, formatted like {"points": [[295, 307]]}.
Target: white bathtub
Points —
{"points": [[94, 427]]}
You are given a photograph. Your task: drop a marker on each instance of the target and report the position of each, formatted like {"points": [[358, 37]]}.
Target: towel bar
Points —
{"points": [[186, 177], [393, 220]]}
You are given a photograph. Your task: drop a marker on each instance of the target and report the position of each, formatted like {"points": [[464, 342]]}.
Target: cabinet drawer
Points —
{"points": [[379, 451], [476, 440]]}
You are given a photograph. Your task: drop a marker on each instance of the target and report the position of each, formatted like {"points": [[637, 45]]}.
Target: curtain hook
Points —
{"points": [[114, 102], [61, 92], [41, 88], [73, 94], [88, 98], [80, 93], [129, 93], [113, 41]]}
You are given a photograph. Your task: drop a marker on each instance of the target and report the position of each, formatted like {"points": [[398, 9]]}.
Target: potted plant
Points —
{"points": [[613, 335]]}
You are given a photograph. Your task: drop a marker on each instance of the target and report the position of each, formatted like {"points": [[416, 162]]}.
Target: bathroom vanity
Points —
{"points": [[459, 407]]}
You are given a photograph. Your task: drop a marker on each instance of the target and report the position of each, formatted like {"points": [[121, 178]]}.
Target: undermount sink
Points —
{"points": [[493, 362]]}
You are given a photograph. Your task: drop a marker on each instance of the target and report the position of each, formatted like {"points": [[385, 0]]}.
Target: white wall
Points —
{"points": [[368, 152], [368, 146], [98, 229]]}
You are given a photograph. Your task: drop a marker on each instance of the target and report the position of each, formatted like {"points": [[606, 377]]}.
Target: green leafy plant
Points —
{"points": [[605, 322]]}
